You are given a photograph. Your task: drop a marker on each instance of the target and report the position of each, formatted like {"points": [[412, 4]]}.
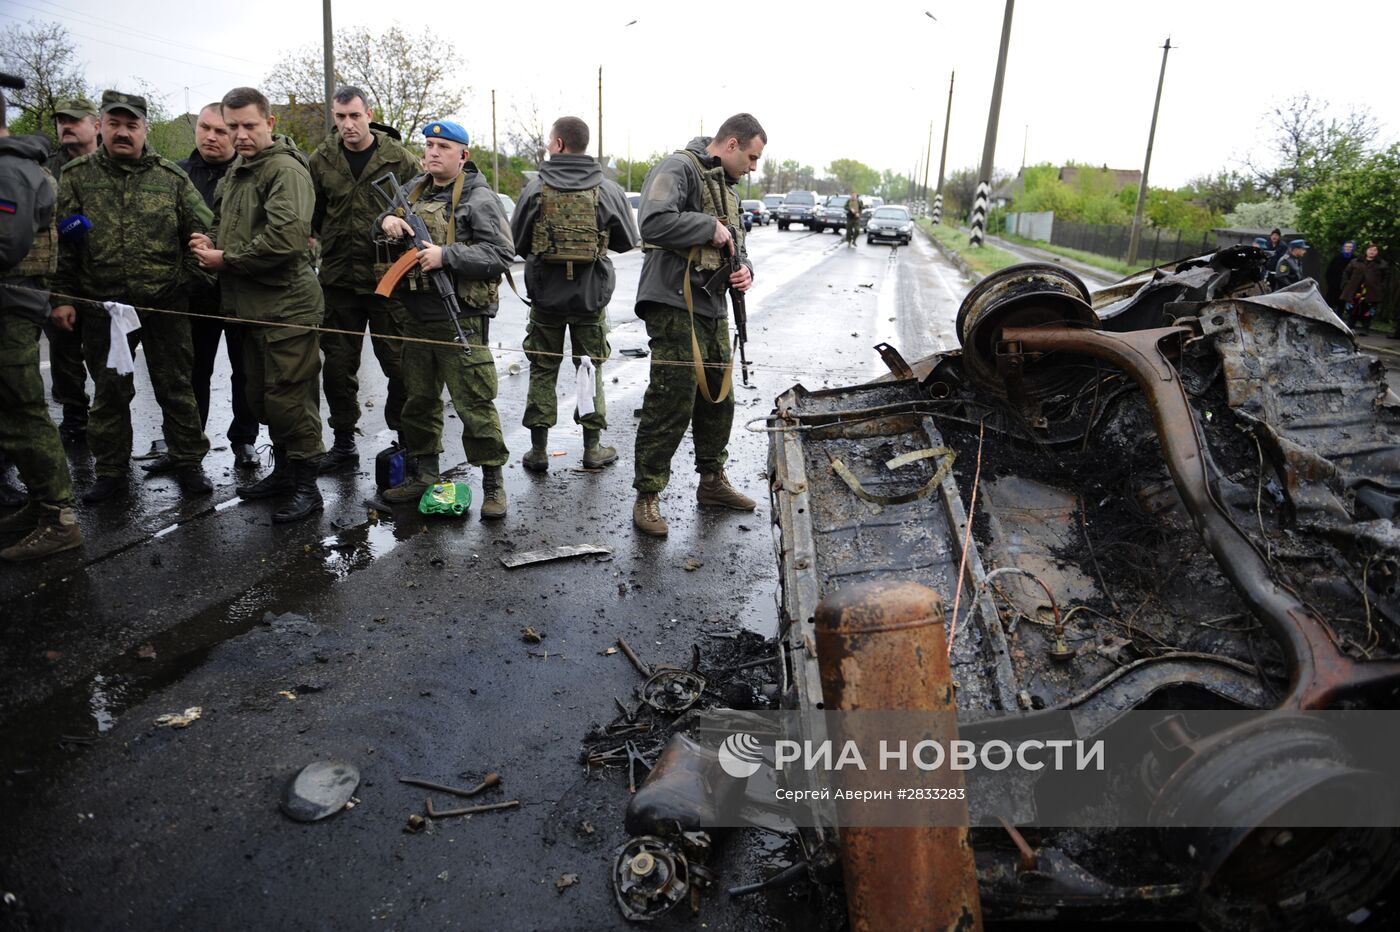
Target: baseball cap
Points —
{"points": [[116, 100], [76, 107]]}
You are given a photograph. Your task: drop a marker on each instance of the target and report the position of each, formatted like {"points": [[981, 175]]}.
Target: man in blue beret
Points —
{"points": [[471, 239], [1290, 267]]}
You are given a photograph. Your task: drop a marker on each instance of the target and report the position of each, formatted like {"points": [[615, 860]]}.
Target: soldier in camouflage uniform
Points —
{"points": [[472, 242], [564, 224], [28, 245], [143, 208], [75, 121], [346, 207], [261, 248], [688, 210]]}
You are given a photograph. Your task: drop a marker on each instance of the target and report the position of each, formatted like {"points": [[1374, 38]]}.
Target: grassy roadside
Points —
{"points": [[983, 261], [1079, 255]]}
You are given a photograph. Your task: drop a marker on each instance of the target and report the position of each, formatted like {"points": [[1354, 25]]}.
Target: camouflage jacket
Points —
{"points": [[346, 206], [26, 213], [262, 222], [142, 214], [673, 220]]}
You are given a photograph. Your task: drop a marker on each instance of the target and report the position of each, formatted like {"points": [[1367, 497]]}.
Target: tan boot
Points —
{"points": [[57, 531], [715, 490], [411, 489], [493, 493], [646, 515]]}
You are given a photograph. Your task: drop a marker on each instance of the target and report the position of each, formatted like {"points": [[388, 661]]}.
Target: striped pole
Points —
{"points": [[989, 147], [943, 159], [938, 208], [979, 213]]}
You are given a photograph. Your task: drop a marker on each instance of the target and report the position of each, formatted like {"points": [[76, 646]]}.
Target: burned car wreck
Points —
{"points": [[1178, 493]]}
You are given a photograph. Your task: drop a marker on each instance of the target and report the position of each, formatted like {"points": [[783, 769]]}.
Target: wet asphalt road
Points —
{"points": [[411, 662]]}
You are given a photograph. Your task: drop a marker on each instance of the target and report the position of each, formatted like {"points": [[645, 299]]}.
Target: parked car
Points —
{"points": [[761, 214], [892, 223], [798, 207], [832, 215], [508, 203], [635, 199], [748, 220], [773, 202], [868, 205]]}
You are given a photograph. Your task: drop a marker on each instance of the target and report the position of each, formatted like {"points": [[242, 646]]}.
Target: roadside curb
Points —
{"points": [[951, 255]]}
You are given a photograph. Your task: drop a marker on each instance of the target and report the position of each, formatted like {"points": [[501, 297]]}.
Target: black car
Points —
{"points": [[799, 207], [891, 222]]}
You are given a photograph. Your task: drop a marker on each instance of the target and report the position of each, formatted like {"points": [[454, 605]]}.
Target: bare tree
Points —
{"points": [[527, 135], [1308, 147], [43, 54], [405, 75]]}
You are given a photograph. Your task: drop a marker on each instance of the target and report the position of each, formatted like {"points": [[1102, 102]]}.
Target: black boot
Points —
{"points": [[306, 498], [277, 482], [106, 488], [342, 455]]}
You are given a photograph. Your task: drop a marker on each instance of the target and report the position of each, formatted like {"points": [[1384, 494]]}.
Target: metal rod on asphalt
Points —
{"points": [[989, 146], [642, 668], [943, 158], [469, 810], [328, 38], [1135, 238]]}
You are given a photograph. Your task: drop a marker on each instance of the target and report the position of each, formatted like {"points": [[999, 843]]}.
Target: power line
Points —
{"points": [[122, 27]]}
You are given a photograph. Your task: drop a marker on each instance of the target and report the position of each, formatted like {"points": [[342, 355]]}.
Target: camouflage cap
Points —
{"points": [[116, 100], [76, 107]]}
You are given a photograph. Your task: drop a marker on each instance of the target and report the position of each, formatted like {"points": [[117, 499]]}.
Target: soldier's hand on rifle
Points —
{"points": [[430, 258], [63, 317], [396, 227], [721, 236], [742, 279]]}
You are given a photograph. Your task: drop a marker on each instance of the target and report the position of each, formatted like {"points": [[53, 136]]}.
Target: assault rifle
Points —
{"points": [[397, 200], [741, 312]]}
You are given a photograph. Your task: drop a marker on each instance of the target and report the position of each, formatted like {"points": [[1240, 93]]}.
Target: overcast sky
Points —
{"points": [[1079, 81]]}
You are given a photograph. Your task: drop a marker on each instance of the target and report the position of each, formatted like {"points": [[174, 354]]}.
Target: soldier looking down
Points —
{"points": [[565, 223], [142, 208], [690, 222], [471, 241]]}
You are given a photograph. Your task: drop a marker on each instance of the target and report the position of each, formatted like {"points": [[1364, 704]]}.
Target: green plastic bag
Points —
{"points": [[446, 498]]}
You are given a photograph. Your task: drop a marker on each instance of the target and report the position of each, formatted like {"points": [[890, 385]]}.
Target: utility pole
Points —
{"points": [[600, 114], [328, 39], [989, 146], [928, 156], [943, 159], [495, 152], [1135, 239]]}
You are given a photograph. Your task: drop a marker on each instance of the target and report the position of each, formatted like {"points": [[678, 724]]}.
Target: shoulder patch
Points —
{"points": [[8, 207]]}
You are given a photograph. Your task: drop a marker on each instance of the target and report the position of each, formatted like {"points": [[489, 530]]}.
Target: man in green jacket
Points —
{"points": [[143, 209], [261, 248], [471, 240], [342, 170], [689, 209]]}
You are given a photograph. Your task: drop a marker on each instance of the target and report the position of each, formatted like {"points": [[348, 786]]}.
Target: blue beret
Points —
{"points": [[1299, 244], [446, 129]]}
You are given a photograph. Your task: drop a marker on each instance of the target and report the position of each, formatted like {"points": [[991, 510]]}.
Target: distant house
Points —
{"points": [[1009, 191], [1122, 177]]}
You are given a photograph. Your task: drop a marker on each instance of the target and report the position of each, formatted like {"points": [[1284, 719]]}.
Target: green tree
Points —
{"points": [[1363, 204], [851, 175], [1279, 212], [1308, 147], [1223, 191], [43, 55]]}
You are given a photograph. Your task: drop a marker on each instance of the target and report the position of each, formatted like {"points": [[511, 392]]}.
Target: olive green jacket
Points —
{"points": [[142, 215], [262, 222], [346, 207]]}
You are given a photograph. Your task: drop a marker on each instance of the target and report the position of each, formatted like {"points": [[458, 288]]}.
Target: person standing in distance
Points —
{"points": [[564, 224], [342, 168], [689, 207], [261, 248]]}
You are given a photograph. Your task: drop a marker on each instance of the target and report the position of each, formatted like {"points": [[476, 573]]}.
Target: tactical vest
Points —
{"points": [[42, 258], [719, 201], [438, 216], [567, 229]]}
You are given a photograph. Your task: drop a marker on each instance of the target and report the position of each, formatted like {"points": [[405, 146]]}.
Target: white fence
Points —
{"points": [[1032, 226]]}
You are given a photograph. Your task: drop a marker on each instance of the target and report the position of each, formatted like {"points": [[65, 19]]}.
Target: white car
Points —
{"points": [[508, 203]]}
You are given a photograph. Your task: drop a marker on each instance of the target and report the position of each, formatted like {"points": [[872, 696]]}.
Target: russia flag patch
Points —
{"points": [[7, 207]]}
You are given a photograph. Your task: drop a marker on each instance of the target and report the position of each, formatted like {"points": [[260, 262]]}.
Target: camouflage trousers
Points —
{"points": [[852, 228], [673, 401], [347, 310], [169, 361], [66, 368], [282, 366], [544, 347], [470, 381], [27, 433]]}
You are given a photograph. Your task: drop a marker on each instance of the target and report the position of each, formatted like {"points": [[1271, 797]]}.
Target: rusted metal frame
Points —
{"points": [[1319, 673], [980, 609]]}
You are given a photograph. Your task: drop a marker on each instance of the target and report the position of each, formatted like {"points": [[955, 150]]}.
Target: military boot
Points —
{"points": [[22, 521], [595, 455], [108, 487], [715, 490], [56, 531], [277, 482], [537, 460], [493, 493], [342, 455], [192, 480], [646, 515], [306, 498], [411, 490]]}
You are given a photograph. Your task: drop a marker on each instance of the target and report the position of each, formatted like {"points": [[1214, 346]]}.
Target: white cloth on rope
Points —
{"points": [[586, 388], [124, 320]]}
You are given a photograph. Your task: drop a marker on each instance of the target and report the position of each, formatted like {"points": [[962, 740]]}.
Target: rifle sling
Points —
{"points": [[701, 379]]}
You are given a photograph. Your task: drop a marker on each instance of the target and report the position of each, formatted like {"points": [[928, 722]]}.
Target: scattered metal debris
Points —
{"points": [[564, 882], [530, 635], [563, 552], [320, 789], [488, 781], [650, 876], [180, 719], [469, 810], [672, 691]]}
